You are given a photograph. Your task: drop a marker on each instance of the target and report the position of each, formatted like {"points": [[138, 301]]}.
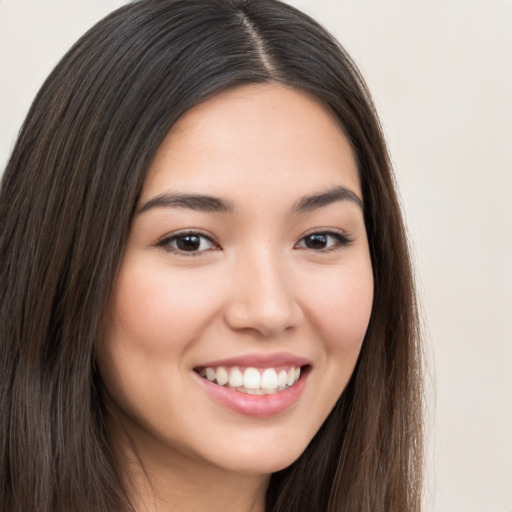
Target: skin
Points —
{"points": [[253, 287]]}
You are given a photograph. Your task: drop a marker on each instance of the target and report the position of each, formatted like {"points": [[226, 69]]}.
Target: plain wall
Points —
{"points": [[441, 76]]}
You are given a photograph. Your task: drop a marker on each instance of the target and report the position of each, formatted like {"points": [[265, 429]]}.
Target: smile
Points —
{"points": [[250, 380]]}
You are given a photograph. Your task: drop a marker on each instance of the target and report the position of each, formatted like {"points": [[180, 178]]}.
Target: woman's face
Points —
{"points": [[246, 263]]}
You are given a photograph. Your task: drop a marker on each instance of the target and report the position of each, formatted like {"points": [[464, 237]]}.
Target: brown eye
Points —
{"points": [[323, 241], [188, 243], [316, 241]]}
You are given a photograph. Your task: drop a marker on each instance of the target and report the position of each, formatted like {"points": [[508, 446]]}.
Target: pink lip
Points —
{"points": [[254, 405], [259, 361], [257, 405]]}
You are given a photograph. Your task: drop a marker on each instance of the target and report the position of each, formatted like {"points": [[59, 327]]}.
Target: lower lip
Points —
{"points": [[255, 405]]}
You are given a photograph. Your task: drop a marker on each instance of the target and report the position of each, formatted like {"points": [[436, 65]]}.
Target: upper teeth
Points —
{"points": [[253, 380]]}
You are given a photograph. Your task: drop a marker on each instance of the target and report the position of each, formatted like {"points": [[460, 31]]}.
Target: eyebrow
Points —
{"points": [[199, 202], [205, 203], [315, 201]]}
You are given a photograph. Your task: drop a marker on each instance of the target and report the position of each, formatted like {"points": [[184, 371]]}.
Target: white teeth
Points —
{"points": [[236, 379], [269, 379], [255, 391], [281, 379], [222, 376], [252, 379]]}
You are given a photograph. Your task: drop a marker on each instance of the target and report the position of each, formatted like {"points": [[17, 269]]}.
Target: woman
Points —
{"points": [[207, 293]]}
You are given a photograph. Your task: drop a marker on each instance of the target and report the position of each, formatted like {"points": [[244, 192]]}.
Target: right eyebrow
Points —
{"points": [[198, 202], [323, 199]]}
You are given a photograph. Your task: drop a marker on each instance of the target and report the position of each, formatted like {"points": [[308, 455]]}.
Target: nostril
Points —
{"points": [[265, 319]]}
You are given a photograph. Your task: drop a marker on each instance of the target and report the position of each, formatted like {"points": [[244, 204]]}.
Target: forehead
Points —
{"points": [[251, 138]]}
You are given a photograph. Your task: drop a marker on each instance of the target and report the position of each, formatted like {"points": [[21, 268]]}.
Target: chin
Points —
{"points": [[261, 460]]}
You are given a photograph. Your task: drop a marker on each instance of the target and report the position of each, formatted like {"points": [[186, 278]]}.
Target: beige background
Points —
{"points": [[441, 75]]}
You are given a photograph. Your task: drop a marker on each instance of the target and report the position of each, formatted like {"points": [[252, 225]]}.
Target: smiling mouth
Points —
{"points": [[250, 380]]}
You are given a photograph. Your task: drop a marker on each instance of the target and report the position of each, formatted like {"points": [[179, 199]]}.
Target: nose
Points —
{"points": [[262, 297]]}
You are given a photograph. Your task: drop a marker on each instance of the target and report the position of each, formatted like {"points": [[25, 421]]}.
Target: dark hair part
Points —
{"points": [[67, 198]]}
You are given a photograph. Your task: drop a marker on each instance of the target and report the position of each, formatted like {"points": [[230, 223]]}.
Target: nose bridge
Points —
{"points": [[263, 297]]}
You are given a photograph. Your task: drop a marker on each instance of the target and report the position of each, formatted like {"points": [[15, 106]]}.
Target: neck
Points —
{"points": [[170, 491]]}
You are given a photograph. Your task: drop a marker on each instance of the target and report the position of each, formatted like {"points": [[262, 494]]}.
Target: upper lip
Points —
{"points": [[259, 360]]}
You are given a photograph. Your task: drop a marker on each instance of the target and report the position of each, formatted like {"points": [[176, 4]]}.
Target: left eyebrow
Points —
{"points": [[198, 202], [339, 193]]}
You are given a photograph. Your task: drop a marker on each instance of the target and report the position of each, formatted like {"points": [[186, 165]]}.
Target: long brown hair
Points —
{"points": [[67, 197]]}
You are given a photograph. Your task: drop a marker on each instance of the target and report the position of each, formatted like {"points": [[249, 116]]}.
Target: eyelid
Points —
{"points": [[165, 241], [342, 238], [327, 231]]}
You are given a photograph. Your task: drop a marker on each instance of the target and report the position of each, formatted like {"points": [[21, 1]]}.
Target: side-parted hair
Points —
{"points": [[66, 202]]}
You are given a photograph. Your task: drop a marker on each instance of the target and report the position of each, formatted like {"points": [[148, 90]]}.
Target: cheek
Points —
{"points": [[153, 318], [158, 310], [341, 307]]}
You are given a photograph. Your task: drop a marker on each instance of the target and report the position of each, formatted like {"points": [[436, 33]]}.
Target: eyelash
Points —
{"points": [[341, 241], [166, 243]]}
